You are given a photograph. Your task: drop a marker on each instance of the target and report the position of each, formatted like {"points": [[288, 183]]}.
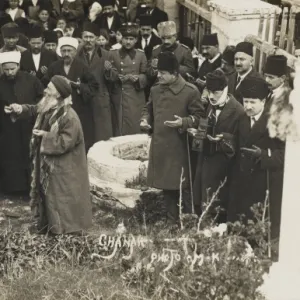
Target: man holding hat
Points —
{"points": [[50, 40], [147, 39], [23, 88], [94, 57], [10, 34], [213, 58], [83, 83], [243, 63], [168, 33], [109, 19], [37, 60], [127, 72], [215, 160], [260, 159], [174, 106], [60, 196]]}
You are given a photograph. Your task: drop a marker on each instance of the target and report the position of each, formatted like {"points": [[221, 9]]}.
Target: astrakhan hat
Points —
{"points": [[210, 40], [35, 31], [276, 65], [167, 61], [50, 36], [166, 28], [91, 27], [254, 88], [107, 3], [216, 81], [146, 20]]}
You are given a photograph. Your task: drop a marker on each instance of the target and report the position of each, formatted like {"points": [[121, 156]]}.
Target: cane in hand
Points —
{"points": [[190, 172]]}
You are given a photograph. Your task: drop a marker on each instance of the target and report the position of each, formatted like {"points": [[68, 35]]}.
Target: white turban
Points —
{"points": [[66, 41], [10, 57]]}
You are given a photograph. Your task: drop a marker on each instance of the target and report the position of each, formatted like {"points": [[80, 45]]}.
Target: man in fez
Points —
{"points": [[60, 196], [243, 63], [23, 88], [83, 83], [173, 107], [260, 159]]}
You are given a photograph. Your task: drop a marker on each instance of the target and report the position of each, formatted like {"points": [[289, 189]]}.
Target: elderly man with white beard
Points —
{"points": [[59, 193]]}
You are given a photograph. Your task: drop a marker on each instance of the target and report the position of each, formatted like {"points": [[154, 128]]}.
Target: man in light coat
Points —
{"points": [[60, 197], [174, 106]]}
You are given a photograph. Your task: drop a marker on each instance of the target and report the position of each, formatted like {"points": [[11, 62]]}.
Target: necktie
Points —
{"points": [[253, 121], [238, 81]]}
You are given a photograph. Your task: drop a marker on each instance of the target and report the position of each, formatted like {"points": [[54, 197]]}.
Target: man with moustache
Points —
{"points": [[83, 83], [50, 40], [243, 63], [147, 40], [168, 33], [173, 107], [94, 57], [60, 196], [126, 71], [37, 60], [109, 19], [260, 159], [219, 145], [23, 88], [213, 58]]}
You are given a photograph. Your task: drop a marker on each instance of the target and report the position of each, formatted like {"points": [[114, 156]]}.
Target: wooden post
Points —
{"points": [[283, 281]]}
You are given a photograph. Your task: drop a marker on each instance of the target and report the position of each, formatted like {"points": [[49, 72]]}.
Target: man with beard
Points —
{"points": [[149, 7], [84, 84], [50, 40], [168, 33], [109, 19], [127, 73], [60, 196], [10, 34], [215, 161], [243, 63], [16, 87], [260, 159], [173, 107], [94, 57], [147, 40], [213, 58], [37, 60]]}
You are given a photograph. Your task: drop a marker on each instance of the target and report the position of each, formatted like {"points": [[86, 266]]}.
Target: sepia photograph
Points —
{"points": [[149, 149]]}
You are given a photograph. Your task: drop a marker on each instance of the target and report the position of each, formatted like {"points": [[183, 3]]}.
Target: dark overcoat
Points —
{"points": [[208, 67], [83, 97], [168, 150], [232, 83], [27, 63], [251, 177], [154, 41], [128, 98], [101, 102], [15, 137], [215, 163]]}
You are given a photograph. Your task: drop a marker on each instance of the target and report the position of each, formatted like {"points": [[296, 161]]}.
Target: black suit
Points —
{"points": [[27, 63], [208, 67], [154, 41], [232, 83], [157, 15]]}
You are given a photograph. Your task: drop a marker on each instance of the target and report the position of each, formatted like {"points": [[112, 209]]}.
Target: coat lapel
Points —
{"points": [[226, 112]]}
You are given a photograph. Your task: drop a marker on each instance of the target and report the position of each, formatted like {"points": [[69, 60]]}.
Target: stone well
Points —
{"points": [[115, 163]]}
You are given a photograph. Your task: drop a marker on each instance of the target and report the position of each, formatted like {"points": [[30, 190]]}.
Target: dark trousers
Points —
{"points": [[171, 199]]}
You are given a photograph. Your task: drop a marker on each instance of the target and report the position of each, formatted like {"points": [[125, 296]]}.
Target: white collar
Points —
{"points": [[256, 117], [215, 58], [110, 18], [36, 55], [277, 90], [244, 75]]}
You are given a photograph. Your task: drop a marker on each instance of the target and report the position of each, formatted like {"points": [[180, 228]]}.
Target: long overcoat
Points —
{"points": [[168, 150], [128, 98], [15, 137], [101, 102], [251, 177], [82, 98], [214, 166], [67, 201]]}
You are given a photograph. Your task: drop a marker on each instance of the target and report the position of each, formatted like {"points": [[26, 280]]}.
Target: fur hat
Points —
{"points": [[244, 47], [91, 27], [276, 65], [104, 3], [216, 81], [210, 40], [146, 20], [10, 30], [50, 36], [166, 28], [130, 29], [167, 61], [62, 85], [35, 31], [254, 88]]}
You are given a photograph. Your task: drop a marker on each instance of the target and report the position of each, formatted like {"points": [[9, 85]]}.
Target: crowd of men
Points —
{"points": [[209, 114]]}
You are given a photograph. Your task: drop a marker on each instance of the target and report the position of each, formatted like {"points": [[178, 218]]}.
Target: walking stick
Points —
{"points": [[269, 214], [190, 172]]}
